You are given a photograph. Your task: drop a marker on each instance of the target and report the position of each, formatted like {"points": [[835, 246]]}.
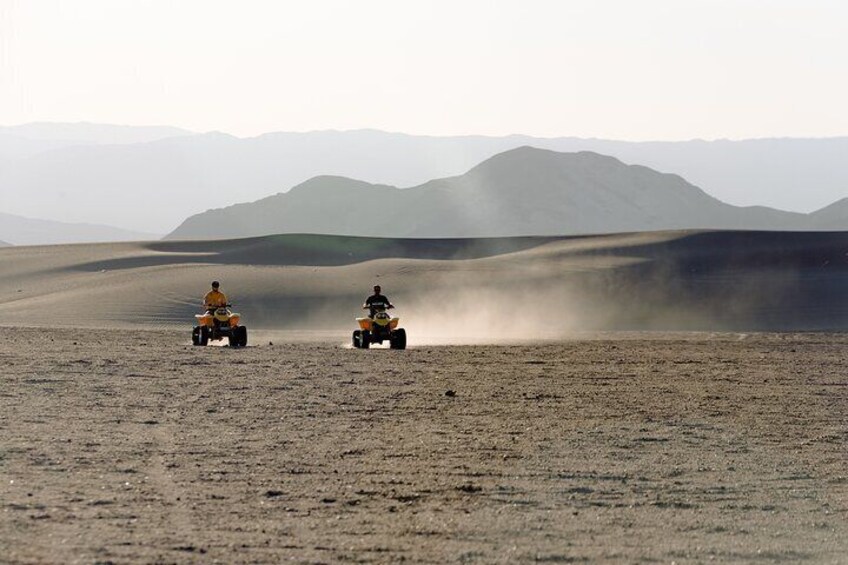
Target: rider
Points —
{"points": [[214, 298], [376, 300]]}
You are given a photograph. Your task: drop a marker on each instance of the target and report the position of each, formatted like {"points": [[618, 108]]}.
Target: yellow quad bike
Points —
{"points": [[379, 328], [218, 324]]}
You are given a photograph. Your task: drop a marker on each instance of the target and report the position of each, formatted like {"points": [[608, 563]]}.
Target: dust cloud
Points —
{"points": [[479, 316]]}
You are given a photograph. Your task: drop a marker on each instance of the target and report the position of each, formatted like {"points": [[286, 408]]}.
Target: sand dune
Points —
{"points": [[489, 288]]}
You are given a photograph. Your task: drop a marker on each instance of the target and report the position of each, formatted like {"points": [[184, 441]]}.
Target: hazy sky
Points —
{"points": [[625, 69]]}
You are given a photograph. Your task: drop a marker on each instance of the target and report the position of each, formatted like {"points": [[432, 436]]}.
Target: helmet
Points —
{"points": [[377, 288], [215, 284]]}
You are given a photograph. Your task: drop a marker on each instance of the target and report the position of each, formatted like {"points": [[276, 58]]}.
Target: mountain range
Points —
{"points": [[18, 230], [151, 179], [31, 139], [524, 191]]}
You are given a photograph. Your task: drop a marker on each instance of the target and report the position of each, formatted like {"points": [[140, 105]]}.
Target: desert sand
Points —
{"points": [[556, 417]]}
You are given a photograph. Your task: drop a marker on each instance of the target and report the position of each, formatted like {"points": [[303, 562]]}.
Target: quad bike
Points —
{"points": [[377, 328], [219, 323]]}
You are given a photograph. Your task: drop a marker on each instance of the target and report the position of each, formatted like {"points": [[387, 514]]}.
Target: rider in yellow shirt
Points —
{"points": [[214, 298]]}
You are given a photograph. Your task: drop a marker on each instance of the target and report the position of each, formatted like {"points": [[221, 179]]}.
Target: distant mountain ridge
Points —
{"points": [[28, 231], [109, 183], [833, 216], [524, 191], [87, 132]]}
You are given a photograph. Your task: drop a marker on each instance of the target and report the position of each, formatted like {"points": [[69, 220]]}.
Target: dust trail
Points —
{"points": [[490, 316]]}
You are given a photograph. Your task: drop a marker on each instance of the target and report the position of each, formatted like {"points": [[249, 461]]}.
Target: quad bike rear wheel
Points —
{"points": [[398, 339], [364, 339], [357, 338]]}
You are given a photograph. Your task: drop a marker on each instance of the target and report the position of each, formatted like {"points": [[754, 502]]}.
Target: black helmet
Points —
{"points": [[377, 288], [215, 284]]}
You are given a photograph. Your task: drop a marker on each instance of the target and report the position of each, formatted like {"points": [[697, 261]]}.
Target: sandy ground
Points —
{"points": [[128, 447]]}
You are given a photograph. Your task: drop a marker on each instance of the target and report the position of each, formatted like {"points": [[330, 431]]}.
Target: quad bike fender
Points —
{"points": [[204, 319], [208, 320], [367, 323], [391, 323]]}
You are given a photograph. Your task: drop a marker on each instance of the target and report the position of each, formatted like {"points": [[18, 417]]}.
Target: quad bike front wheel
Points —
{"points": [[364, 339], [398, 339], [238, 337], [200, 335]]}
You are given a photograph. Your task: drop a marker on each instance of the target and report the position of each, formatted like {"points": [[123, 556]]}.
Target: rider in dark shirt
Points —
{"points": [[373, 302]]}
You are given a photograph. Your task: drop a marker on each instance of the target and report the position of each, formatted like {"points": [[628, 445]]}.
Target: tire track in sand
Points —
{"points": [[179, 527]]}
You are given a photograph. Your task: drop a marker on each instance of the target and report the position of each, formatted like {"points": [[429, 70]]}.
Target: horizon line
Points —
{"points": [[190, 132]]}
